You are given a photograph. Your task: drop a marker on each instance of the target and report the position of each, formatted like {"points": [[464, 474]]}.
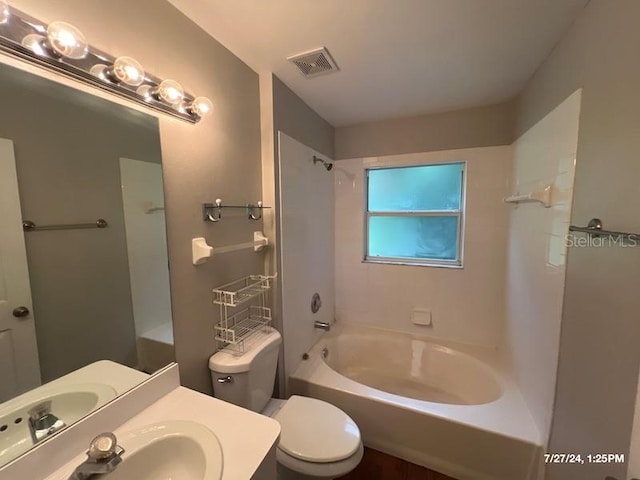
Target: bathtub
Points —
{"points": [[155, 348], [449, 407]]}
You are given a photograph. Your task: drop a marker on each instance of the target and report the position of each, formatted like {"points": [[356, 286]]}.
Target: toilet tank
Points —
{"points": [[252, 374]]}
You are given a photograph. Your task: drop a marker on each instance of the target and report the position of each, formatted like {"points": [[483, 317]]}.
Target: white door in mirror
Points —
{"points": [[19, 365]]}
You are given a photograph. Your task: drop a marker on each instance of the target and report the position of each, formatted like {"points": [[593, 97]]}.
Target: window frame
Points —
{"points": [[460, 214]]}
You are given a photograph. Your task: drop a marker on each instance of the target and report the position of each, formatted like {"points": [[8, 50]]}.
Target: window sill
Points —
{"points": [[414, 264]]}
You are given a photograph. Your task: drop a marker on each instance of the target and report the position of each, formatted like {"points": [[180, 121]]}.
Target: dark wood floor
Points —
{"points": [[380, 466]]}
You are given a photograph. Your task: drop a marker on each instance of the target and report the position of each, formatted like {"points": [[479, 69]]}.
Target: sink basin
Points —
{"points": [[68, 402], [175, 450]]}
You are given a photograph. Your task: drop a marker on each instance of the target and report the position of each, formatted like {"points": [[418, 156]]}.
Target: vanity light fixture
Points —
{"points": [[125, 70], [200, 106], [5, 12], [169, 91], [67, 41], [61, 47]]}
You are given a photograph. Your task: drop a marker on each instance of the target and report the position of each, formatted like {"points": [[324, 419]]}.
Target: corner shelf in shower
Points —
{"points": [[234, 330]]}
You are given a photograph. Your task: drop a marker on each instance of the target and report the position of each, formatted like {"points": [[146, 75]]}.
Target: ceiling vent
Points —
{"points": [[315, 62]]}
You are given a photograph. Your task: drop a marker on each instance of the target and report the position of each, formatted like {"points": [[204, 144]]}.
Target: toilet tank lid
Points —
{"points": [[229, 361]]}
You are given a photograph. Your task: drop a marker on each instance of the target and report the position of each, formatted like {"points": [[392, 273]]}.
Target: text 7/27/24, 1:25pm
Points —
{"points": [[581, 459]]}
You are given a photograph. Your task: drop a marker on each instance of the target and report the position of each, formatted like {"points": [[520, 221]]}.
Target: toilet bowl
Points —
{"points": [[317, 440]]}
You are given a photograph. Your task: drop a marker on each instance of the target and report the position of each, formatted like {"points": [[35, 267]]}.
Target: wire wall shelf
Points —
{"points": [[236, 328], [241, 291]]}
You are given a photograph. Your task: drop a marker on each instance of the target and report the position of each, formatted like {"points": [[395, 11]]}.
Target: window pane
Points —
{"points": [[430, 187], [413, 237]]}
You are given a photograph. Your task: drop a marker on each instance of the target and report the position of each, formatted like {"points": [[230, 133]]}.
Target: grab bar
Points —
{"points": [[594, 228]]}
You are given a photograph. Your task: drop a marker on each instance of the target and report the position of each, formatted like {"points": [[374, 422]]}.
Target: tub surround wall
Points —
{"points": [[306, 223], [467, 304], [544, 155], [146, 243], [218, 158], [599, 355], [472, 127]]}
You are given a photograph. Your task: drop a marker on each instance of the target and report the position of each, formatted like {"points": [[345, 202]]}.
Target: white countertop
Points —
{"points": [[246, 437]]}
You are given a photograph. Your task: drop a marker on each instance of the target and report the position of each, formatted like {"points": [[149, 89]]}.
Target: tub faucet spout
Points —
{"points": [[322, 325]]}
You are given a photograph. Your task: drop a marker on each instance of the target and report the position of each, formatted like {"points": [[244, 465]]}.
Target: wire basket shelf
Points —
{"points": [[236, 328], [241, 291]]}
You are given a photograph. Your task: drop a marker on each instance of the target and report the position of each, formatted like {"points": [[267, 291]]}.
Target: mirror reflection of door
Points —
{"points": [[19, 365]]}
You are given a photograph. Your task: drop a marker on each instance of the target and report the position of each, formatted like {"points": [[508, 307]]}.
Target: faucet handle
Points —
{"points": [[104, 447], [322, 325], [41, 410]]}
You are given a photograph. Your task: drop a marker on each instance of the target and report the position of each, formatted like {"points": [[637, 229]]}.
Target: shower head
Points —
{"points": [[325, 164]]}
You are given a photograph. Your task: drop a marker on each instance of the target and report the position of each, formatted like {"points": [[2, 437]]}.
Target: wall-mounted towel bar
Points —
{"points": [[201, 251], [212, 212], [540, 196], [594, 228], [29, 226]]}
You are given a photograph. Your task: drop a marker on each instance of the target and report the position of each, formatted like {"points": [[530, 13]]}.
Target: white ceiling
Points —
{"points": [[396, 57]]}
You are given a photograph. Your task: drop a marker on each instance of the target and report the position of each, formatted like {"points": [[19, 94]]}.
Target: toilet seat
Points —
{"points": [[319, 470], [316, 431]]}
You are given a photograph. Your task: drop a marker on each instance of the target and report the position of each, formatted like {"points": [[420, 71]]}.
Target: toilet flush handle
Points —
{"points": [[227, 379]]}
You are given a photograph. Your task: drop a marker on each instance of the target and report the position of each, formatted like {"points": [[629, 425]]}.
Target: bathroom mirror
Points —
{"points": [[85, 311]]}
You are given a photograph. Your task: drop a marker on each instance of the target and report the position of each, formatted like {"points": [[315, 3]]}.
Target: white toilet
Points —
{"points": [[318, 440]]}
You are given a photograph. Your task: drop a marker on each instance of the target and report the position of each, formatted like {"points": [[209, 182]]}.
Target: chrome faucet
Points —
{"points": [[43, 423], [322, 325], [103, 456]]}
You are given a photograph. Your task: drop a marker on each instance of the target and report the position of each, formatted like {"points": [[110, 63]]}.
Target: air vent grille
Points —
{"points": [[314, 63]]}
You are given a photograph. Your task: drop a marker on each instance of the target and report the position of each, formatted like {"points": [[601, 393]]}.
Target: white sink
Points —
{"points": [[68, 402], [175, 450]]}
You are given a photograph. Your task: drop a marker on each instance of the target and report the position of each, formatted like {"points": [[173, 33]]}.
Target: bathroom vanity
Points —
{"points": [[166, 431]]}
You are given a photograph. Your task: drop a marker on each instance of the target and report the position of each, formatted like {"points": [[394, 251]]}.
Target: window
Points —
{"points": [[414, 214]]}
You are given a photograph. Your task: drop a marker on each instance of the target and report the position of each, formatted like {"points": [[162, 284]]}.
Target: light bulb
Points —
{"points": [[201, 106], [170, 91], [67, 41], [145, 91], [5, 12], [127, 70], [35, 43]]}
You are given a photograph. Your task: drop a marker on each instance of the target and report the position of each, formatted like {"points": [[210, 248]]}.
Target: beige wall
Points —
{"points": [[219, 158], [473, 127], [599, 354]]}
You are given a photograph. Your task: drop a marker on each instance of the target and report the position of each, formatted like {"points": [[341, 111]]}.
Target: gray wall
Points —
{"points": [[67, 146], [218, 158], [295, 118], [474, 127], [599, 354]]}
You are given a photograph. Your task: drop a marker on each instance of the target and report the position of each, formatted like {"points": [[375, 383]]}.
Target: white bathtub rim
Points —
{"points": [[491, 357], [495, 386], [488, 355], [519, 427], [323, 377]]}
